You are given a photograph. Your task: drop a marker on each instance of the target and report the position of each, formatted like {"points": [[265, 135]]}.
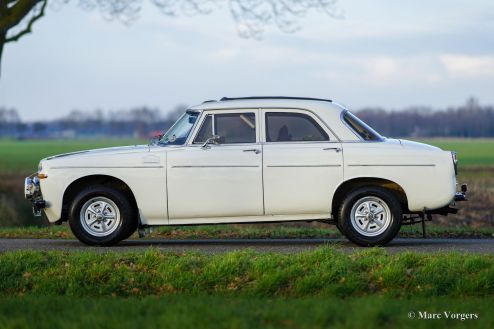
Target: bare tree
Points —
{"points": [[17, 17]]}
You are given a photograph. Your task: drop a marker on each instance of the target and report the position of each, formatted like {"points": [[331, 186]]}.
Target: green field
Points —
{"points": [[23, 156], [471, 152]]}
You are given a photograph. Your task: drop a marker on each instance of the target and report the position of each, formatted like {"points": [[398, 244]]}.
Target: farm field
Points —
{"points": [[23, 156]]}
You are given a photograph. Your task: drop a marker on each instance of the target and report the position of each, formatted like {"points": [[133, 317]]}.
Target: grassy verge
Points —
{"points": [[218, 312], [249, 232], [324, 272]]}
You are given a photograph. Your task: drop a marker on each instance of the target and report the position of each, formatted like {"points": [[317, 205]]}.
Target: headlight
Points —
{"points": [[40, 167]]}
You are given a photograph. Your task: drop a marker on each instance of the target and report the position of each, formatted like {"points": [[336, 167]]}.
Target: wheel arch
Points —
{"points": [[345, 187], [82, 182]]}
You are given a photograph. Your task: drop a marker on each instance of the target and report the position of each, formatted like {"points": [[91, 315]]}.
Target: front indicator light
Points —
{"points": [[42, 175]]}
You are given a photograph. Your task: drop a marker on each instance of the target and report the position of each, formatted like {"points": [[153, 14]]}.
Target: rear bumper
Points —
{"points": [[462, 195], [449, 209]]}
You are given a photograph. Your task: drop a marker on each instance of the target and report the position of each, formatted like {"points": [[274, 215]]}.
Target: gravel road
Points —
{"points": [[211, 246]]}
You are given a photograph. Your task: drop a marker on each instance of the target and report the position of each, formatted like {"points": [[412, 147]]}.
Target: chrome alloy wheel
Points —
{"points": [[100, 216], [370, 216]]}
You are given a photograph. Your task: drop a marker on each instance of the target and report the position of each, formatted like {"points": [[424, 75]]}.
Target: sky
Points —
{"points": [[392, 54]]}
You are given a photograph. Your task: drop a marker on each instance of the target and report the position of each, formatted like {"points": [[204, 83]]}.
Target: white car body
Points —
{"points": [[260, 181]]}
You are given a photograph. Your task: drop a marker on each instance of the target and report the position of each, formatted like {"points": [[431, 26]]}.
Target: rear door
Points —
{"points": [[302, 163]]}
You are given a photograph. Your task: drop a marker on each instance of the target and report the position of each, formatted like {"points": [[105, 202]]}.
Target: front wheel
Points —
{"points": [[100, 215], [370, 216]]}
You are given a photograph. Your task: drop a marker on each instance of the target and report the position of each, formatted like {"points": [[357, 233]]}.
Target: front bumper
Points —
{"points": [[32, 192]]}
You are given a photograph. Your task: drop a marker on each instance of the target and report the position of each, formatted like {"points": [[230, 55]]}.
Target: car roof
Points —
{"points": [[329, 111], [268, 101]]}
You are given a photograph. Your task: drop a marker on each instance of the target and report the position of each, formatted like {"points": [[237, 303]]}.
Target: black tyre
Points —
{"points": [[102, 216], [370, 216]]}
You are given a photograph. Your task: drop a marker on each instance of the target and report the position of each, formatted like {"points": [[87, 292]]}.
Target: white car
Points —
{"points": [[250, 160]]}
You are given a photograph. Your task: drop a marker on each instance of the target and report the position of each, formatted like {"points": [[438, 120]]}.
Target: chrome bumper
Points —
{"points": [[32, 192]]}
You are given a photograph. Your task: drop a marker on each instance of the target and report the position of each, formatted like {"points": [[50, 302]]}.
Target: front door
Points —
{"points": [[302, 163], [223, 180]]}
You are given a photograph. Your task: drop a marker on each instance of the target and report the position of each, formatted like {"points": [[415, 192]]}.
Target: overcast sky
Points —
{"points": [[392, 54]]}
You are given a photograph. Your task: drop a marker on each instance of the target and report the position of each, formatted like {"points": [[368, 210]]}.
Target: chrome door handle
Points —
{"points": [[256, 151], [337, 149]]}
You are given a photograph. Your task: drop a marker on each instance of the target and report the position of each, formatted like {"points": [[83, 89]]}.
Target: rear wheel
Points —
{"points": [[370, 216], [101, 215]]}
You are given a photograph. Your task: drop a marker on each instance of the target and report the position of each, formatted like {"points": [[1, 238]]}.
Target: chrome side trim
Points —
{"points": [[303, 166], [107, 167], [391, 165], [218, 166]]}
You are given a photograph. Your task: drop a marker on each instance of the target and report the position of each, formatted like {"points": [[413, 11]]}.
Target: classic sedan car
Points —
{"points": [[250, 160]]}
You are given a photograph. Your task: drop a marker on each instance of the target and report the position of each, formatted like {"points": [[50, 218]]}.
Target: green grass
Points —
{"points": [[217, 312], [324, 272], [471, 152], [24, 156], [248, 232]]}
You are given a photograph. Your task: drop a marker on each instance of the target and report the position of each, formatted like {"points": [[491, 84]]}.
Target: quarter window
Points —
{"points": [[293, 127], [231, 127], [362, 129]]}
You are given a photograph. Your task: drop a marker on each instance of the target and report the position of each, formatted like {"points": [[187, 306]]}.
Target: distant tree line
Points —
{"points": [[140, 122], [468, 120]]}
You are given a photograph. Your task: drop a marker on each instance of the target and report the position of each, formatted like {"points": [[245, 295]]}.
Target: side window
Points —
{"points": [[231, 127], [293, 127]]}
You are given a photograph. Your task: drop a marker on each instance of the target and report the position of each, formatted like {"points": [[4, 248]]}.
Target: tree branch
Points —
{"points": [[29, 26]]}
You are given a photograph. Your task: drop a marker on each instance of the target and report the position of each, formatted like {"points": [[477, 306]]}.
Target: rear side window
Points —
{"points": [[231, 127], [361, 128], [293, 127]]}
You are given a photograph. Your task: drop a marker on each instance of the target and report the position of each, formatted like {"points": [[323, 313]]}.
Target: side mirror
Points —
{"points": [[215, 139]]}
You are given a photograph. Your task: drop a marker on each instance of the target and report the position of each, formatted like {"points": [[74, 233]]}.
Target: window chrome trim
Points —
{"points": [[207, 112], [324, 124]]}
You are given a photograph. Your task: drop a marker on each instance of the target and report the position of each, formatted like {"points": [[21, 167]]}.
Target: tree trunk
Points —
{"points": [[3, 35]]}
